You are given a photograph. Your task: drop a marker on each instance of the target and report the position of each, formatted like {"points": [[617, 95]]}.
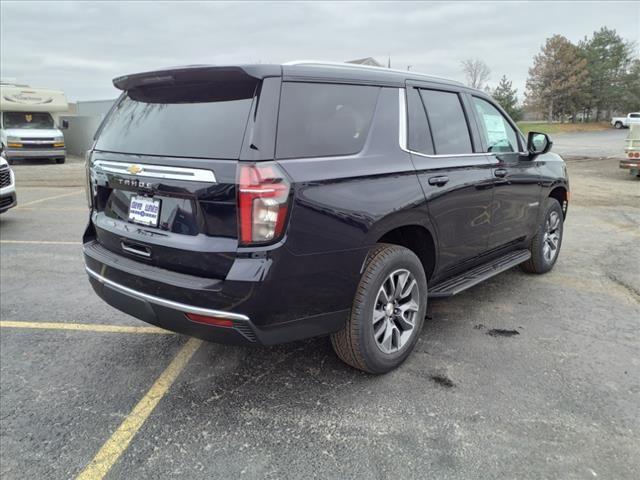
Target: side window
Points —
{"points": [[498, 133], [322, 119], [447, 121], [634, 115], [419, 138]]}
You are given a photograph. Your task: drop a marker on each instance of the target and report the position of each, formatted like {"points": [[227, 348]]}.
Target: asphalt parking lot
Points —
{"points": [[520, 377]]}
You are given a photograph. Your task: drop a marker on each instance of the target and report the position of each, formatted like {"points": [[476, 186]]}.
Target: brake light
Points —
{"points": [[263, 202]]}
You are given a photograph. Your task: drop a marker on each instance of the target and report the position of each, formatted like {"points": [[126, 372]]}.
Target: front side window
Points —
{"points": [[447, 122], [320, 120], [499, 135], [32, 120]]}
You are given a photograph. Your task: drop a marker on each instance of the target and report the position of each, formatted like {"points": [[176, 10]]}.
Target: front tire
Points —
{"points": [[388, 311], [618, 125], [545, 245]]}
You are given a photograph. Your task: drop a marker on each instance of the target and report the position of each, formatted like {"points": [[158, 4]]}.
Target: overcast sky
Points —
{"points": [[79, 47]]}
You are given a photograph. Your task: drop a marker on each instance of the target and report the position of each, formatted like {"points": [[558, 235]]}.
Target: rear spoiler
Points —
{"points": [[197, 74]]}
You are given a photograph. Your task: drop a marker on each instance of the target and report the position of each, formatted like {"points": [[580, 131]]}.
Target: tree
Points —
{"points": [[608, 58], [507, 97], [476, 71], [631, 90], [557, 80]]}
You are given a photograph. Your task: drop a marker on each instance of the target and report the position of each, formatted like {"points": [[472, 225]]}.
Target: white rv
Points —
{"points": [[28, 122]]}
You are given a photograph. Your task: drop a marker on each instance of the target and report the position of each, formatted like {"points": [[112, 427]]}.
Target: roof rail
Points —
{"points": [[357, 66]]}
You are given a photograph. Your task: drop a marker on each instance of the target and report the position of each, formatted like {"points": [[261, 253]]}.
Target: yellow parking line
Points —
{"points": [[119, 441], [39, 242], [46, 199], [84, 327]]}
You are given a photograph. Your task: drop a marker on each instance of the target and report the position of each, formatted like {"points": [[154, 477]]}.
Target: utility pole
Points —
{"points": [[409, 67]]}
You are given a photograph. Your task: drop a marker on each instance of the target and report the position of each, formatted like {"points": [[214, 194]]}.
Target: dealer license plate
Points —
{"points": [[144, 210]]}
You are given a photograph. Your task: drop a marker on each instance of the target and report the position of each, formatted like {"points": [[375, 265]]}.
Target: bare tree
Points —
{"points": [[476, 71]]}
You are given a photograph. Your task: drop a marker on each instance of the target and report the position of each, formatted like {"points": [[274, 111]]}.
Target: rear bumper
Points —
{"points": [[163, 298], [26, 152], [632, 165]]}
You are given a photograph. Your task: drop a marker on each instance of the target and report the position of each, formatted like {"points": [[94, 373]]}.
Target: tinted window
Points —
{"points": [[499, 135], [634, 115], [447, 121], [319, 120], [203, 120], [33, 120], [419, 137]]}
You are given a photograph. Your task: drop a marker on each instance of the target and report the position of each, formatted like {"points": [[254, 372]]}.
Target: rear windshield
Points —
{"points": [[189, 120], [318, 120]]}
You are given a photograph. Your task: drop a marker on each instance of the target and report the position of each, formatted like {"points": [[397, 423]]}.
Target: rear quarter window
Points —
{"points": [[319, 120]]}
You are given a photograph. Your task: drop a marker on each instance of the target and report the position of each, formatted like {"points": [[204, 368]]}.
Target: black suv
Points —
{"points": [[260, 204]]}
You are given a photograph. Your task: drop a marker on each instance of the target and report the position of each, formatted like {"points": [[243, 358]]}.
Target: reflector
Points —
{"points": [[215, 321]]}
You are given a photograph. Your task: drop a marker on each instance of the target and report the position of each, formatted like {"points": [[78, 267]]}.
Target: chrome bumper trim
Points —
{"points": [[163, 302], [35, 153]]}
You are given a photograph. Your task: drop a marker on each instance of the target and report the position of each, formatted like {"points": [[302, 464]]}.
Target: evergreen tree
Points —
{"points": [[631, 91], [507, 97], [608, 58], [558, 79]]}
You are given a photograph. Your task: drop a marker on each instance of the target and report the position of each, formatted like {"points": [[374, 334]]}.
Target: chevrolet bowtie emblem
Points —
{"points": [[134, 169]]}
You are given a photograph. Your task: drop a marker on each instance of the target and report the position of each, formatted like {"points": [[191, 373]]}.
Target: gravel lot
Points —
{"points": [[520, 377], [604, 144]]}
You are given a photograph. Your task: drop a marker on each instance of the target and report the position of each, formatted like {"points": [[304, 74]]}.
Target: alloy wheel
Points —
{"points": [[395, 311], [551, 238]]}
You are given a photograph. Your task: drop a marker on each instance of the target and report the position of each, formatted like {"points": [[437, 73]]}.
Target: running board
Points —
{"points": [[472, 277]]}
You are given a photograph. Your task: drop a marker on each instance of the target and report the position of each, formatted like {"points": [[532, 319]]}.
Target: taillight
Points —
{"points": [[263, 201], [88, 189]]}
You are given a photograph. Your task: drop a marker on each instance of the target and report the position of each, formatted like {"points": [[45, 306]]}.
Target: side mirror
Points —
{"points": [[538, 143], [65, 124]]}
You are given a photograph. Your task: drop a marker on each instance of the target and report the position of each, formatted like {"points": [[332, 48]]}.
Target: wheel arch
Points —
{"points": [[418, 238], [561, 194]]}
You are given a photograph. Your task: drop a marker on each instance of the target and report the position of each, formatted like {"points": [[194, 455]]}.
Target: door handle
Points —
{"points": [[500, 172], [439, 181], [136, 249]]}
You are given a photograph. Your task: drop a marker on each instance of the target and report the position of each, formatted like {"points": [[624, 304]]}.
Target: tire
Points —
{"points": [[60, 161], [356, 344], [618, 125], [543, 253]]}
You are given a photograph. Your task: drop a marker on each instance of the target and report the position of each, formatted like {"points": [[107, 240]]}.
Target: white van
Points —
{"points": [[28, 123]]}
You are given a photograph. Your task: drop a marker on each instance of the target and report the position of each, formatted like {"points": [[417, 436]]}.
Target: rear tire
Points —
{"points": [[618, 125], [545, 245], [388, 311]]}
